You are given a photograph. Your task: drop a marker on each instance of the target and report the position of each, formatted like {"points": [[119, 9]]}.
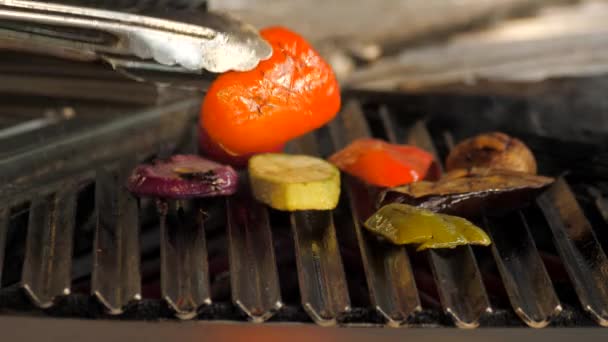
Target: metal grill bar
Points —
{"points": [[4, 223], [183, 257], [457, 275], [388, 270], [184, 268], [600, 202], [524, 275], [253, 270], [578, 248], [354, 125], [321, 275], [389, 273], [48, 255], [116, 278], [419, 135], [100, 90], [320, 272]]}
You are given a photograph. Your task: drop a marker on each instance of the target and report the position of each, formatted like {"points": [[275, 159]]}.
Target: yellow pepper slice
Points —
{"points": [[405, 224], [473, 234]]}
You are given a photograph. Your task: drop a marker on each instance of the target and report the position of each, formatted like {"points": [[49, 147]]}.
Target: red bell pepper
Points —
{"points": [[383, 164]]}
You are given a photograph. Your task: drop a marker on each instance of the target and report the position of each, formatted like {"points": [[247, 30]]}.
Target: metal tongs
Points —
{"points": [[163, 41]]}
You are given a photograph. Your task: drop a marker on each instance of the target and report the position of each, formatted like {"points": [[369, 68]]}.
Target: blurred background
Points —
{"points": [[415, 44]]}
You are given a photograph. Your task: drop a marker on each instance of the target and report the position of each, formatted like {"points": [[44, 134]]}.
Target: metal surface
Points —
{"points": [[389, 273], [183, 257], [320, 273], [254, 277], [458, 277], [456, 272], [388, 270], [215, 43], [48, 256], [323, 287], [184, 265], [37, 75], [524, 275], [35, 169], [116, 278], [600, 201], [578, 248], [4, 223]]}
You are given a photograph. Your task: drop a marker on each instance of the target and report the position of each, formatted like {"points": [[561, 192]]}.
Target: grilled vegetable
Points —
{"points": [[294, 182], [380, 163], [183, 177], [494, 151], [288, 95], [469, 193], [404, 224]]}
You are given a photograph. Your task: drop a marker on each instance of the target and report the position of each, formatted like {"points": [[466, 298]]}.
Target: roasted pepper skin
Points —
{"points": [[286, 96]]}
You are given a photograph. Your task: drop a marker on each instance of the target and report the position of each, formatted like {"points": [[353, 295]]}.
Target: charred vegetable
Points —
{"points": [[404, 224], [493, 151], [470, 192], [183, 177], [382, 164], [292, 93], [294, 182]]}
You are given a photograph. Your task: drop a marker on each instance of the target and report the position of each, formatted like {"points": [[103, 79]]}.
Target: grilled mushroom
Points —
{"points": [[493, 151]]}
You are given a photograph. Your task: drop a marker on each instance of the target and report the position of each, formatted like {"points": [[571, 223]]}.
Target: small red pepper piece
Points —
{"points": [[383, 164]]}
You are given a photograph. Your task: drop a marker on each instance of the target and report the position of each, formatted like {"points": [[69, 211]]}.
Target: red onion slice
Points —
{"points": [[183, 177]]}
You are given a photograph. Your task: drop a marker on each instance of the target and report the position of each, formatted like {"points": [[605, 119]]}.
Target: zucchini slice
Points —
{"points": [[294, 182]]}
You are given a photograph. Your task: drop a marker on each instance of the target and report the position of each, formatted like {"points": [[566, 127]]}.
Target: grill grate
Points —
{"points": [[523, 274], [116, 278], [48, 255], [153, 261], [389, 274], [578, 248], [254, 276]]}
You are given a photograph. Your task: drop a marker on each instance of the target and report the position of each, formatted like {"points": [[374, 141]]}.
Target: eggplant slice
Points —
{"points": [[470, 193]]}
